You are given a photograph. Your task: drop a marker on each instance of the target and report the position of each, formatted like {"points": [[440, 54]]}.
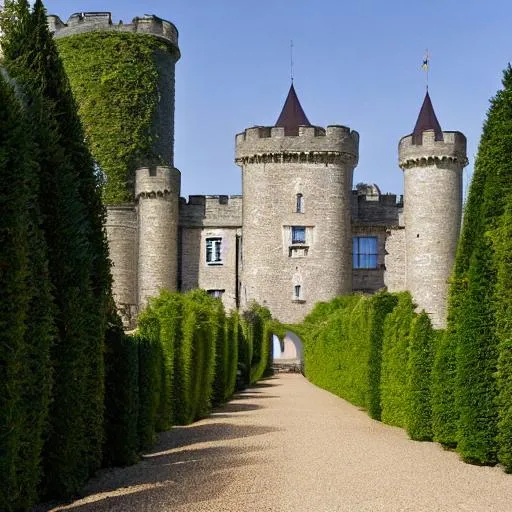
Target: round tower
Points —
{"points": [[296, 181], [157, 192], [432, 161], [78, 24], [142, 248]]}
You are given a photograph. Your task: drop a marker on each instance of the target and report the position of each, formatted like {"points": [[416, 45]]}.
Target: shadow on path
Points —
{"points": [[183, 467]]}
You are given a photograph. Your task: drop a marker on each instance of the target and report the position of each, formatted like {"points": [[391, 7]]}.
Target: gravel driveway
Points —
{"points": [[286, 445]]}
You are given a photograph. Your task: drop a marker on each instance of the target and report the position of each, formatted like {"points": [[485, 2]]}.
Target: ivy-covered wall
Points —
{"points": [[115, 79]]}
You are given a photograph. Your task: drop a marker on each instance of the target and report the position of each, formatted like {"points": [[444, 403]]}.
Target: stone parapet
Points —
{"points": [[265, 143], [211, 211], [157, 181], [82, 22], [451, 149]]}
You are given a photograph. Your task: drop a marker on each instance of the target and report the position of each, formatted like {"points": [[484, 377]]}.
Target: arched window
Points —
{"points": [[299, 203]]}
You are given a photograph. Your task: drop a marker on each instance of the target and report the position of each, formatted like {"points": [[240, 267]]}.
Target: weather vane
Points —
{"points": [[425, 66]]}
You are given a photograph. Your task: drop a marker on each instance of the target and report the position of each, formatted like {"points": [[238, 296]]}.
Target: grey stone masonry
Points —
{"points": [[121, 227], [432, 214], [82, 22], [203, 218]]}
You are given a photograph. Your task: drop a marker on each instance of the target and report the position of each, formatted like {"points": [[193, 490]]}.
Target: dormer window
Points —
{"points": [[299, 208]]}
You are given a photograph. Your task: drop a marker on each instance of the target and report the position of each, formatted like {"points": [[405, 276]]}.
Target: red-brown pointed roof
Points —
{"points": [[427, 120], [292, 116]]}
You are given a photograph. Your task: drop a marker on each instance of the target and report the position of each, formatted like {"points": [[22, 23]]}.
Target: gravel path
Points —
{"points": [[285, 445]]}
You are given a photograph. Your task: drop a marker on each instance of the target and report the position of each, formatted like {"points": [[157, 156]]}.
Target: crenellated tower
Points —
{"points": [[296, 182], [157, 192], [432, 162], [142, 231]]}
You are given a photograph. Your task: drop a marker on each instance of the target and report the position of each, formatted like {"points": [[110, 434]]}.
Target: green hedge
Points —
{"points": [[395, 350], [503, 251], [419, 379], [444, 411], [121, 398], [259, 334]]}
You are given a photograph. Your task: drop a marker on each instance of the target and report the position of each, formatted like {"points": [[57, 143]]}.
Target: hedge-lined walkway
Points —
{"points": [[286, 445]]}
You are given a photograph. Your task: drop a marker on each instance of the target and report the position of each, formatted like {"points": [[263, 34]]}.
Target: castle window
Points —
{"points": [[216, 294], [364, 252], [214, 251], [298, 235], [299, 208], [296, 292]]}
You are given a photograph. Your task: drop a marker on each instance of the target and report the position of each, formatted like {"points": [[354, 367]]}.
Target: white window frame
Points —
{"points": [[213, 254]]}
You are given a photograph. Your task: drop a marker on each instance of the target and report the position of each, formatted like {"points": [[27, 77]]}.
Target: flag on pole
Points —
{"points": [[425, 63]]}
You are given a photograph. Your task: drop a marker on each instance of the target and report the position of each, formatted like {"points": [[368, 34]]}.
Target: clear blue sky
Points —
{"points": [[357, 63]]}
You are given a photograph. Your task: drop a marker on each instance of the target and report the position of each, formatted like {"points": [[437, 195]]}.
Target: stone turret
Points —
{"points": [[297, 181], [157, 192], [432, 161]]}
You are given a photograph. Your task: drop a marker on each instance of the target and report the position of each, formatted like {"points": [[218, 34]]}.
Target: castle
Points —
{"points": [[300, 233]]}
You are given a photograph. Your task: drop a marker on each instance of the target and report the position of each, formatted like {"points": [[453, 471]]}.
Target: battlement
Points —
{"points": [[83, 22], [271, 140], [451, 148], [211, 211], [157, 181]]}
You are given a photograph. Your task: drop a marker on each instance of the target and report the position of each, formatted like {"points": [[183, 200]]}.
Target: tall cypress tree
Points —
{"points": [[472, 313], [78, 263], [14, 291]]}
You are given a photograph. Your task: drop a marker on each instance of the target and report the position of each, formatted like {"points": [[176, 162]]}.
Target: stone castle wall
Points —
{"points": [[122, 235], [204, 217]]}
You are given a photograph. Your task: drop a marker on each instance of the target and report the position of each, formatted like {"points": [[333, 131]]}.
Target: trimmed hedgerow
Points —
{"points": [[222, 357], [325, 334], [503, 249], [477, 363], [419, 379], [232, 333], [164, 316], [259, 334], [121, 446], [444, 412], [244, 344], [381, 304], [150, 365], [72, 221], [395, 349], [473, 310], [343, 347]]}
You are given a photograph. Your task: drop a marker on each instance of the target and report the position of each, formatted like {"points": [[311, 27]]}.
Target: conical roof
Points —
{"points": [[427, 120], [292, 116]]}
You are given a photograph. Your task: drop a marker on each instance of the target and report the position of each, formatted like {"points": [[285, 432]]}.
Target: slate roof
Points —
{"points": [[427, 120], [292, 116]]}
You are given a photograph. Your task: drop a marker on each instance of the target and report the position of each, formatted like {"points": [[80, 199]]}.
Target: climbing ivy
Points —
{"points": [[114, 78]]}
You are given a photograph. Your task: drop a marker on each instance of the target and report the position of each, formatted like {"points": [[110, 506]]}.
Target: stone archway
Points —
{"points": [[288, 352]]}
